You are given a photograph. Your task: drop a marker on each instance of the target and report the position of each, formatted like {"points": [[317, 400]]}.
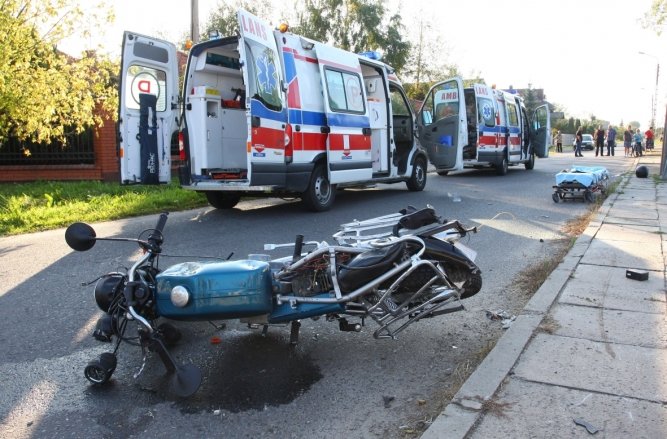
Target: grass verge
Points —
{"points": [[37, 206]]}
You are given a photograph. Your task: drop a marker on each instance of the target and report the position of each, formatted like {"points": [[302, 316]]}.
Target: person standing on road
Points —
{"points": [[627, 140], [649, 139], [559, 142], [637, 139], [578, 139], [599, 141], [611, 140]]}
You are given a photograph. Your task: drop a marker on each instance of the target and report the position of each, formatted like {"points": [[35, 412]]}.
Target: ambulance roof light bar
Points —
{"points": [[377, 56]]}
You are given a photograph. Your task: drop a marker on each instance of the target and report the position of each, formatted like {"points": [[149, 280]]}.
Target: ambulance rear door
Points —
{"points": [[487, 116], [541, 132], [442, 125], [348, 124], [267, 119], [148, 109]]}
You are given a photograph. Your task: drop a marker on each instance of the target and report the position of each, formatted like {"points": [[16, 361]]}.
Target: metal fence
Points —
{"points": [[77, 150]]}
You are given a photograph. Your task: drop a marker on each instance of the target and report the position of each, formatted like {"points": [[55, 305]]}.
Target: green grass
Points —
{"points": [[32, 207]]}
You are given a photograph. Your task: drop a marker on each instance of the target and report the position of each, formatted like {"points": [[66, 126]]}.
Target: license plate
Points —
{"points": [[467, 251]]}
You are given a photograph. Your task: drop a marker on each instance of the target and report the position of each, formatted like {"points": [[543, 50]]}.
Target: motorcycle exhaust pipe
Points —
{"points": [[298, 246]]}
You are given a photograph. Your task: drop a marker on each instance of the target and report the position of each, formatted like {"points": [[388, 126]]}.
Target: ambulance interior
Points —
{"points": [[470, 150], [215, 112], [378, 113]]}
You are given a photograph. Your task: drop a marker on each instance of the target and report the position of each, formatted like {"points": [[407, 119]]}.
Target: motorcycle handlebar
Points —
{"points": [[156, 238]]}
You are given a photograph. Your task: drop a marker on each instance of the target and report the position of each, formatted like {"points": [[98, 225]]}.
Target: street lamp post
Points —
{"points": [[654, 101]]}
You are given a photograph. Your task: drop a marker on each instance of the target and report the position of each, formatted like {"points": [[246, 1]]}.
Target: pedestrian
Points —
{"points": [[599, 141], [627, 140], [578, 139], [559, 142], [649, 139], [611, 140], [637, 140]]}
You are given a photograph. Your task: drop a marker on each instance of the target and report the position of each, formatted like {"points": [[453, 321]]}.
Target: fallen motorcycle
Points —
{"points": [[395, 269]]}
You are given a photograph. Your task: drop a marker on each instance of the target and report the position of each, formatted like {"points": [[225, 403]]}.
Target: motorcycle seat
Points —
{"points": [[368, 265]]}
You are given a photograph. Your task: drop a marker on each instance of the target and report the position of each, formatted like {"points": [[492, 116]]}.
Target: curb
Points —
{"points": [[467, 406]]}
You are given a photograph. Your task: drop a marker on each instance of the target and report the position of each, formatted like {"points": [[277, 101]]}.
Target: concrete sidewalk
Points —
{"points": [[588, 354]]}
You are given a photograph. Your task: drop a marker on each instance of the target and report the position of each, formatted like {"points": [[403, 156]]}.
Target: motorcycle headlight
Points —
{"points": [[106, 289], [179, 296]]}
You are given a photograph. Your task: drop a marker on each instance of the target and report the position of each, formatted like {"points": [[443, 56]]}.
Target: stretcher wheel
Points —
{"points": [[588, 196], [555, 197]]}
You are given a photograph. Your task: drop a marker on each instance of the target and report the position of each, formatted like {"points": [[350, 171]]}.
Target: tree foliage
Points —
{"points": [[656, 17], [356, 26], [224, 19], [45, 94]]}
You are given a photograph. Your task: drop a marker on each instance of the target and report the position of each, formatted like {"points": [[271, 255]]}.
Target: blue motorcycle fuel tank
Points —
{"points": [[217, 290]]}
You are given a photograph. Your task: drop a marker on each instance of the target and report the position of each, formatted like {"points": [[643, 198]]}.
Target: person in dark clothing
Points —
{"points": [[578, 139], [599, 141], [627, 140], [611, 140]]}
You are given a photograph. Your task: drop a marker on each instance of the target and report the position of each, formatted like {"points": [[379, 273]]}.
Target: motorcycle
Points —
{"points": [[395, 269]]}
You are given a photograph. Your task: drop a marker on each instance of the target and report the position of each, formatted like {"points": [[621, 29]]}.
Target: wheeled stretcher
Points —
{"points": [[580, 182]]}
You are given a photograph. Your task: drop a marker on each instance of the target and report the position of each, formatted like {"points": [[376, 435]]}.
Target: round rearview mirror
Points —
{"points": [[80, 237]]}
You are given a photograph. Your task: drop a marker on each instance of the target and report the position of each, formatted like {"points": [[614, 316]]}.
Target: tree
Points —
{"points": [[656, 17], [224, 19], [45, 94], [428, 62], [356, 26]]}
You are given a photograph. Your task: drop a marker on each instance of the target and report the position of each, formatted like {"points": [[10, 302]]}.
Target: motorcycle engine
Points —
{"points": [[310, 283]]}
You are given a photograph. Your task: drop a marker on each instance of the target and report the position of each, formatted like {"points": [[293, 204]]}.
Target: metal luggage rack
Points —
{"points": [[359, 231]]}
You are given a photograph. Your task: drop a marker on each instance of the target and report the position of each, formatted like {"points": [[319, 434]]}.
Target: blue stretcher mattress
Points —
{"points": [[584, 175]]}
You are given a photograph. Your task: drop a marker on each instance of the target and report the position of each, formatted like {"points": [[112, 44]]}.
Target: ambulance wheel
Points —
{"points": [[320, 194], [417, 181], [530, 164], [502, 168], [222, 200]]}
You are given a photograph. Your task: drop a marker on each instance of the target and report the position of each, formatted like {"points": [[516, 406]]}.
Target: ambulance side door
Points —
{"points": [[263, 76], [148, 109], [348, 123], [442, 125], [541, 131]]}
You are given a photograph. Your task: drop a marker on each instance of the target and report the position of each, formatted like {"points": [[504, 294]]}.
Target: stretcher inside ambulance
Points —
{"points": [[480, 126], [265, 112]]}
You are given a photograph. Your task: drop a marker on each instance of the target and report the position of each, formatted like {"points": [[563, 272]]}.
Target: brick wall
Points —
{"points": [[105, 167]]}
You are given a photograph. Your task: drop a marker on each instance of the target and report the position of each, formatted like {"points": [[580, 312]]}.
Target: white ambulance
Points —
{"points": [[265, 113], [480, 127]]}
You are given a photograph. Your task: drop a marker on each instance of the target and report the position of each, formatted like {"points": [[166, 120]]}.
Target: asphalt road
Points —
{"points": [[333, 384]]}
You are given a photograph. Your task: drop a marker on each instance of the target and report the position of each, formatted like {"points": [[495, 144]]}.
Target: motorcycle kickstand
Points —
{"points": [[294, 332]]}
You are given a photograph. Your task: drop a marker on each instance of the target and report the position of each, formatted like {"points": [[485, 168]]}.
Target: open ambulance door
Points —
{"points": [[541, 131], [262, 75], [442, 125], [148, 109], [347, 115]]}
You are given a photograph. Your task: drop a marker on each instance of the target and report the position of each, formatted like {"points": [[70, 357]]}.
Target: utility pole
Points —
{"points": [[194, 21]]}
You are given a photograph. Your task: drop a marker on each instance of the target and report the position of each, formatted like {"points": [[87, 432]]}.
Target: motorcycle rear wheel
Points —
{"points": [[472, 283]]}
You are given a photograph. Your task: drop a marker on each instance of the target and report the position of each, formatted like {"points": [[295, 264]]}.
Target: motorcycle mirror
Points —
{"points": [[80, 237]]}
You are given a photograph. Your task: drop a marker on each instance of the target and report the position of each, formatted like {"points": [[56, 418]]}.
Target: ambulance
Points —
{"points": [[264, 113], [481, 127]]}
